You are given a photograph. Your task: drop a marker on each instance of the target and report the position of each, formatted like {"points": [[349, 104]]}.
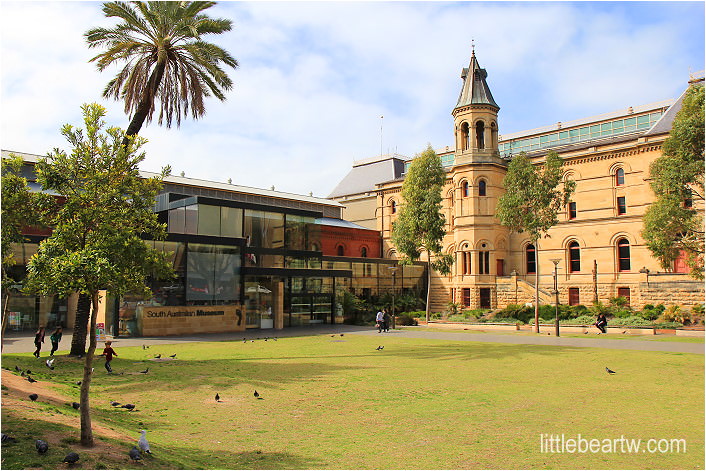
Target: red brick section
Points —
{"points": [[353, 241]]}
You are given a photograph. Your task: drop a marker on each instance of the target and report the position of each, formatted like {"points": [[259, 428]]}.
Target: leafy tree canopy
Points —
{"points": [[672, 226], [97, 239], [533, 195]]}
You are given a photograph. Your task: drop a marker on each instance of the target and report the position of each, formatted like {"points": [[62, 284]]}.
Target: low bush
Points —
{"points": [[636, 321], [500, 320], [675, 314], [624, 313], [406, 319], [668, 325], [517, 311], [580, 320]]}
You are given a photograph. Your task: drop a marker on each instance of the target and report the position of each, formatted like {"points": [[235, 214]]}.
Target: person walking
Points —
{"points": [[55, 339], [38, 341], [385, 321], [601, 323], [379, 321], [108, 352]]}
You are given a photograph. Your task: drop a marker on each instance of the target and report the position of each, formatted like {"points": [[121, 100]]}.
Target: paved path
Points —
{"points": [[23, 342]]}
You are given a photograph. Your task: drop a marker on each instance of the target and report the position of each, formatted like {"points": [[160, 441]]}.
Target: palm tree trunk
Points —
{"points": [[83, 310], [6, 297], [86, 429], [147, 102]]}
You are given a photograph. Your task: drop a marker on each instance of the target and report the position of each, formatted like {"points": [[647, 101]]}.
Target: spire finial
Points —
{"points": [[473, 47]]}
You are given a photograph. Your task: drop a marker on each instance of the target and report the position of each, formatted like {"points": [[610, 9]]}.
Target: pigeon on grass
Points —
{"points": [[71, 458], [129, 407], [143, 443], [41, 446], [30, 379], [50, 364], [609, 371], [135, 454], [218, 398], [172, 356], [76, 405], [114, 403], [33, 397], [145, 371], [7, 439]]}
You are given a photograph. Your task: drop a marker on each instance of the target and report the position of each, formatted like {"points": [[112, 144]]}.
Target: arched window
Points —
{"points": [[340, 251], [464, 190], [531, 259], [481, 188], [574, 257], [364, 252], [393, 207], [623, 255], [493, 135], [465, 261], [480, 135], [465, 136], [619, 177]]}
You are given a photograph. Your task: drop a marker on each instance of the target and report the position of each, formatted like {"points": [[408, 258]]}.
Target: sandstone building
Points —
{"points": [[597, 242]]}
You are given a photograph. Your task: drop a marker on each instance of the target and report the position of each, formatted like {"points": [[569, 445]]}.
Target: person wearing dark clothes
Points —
{"points": [[601, 322], [108, 352], [38, 341], [385, 321], [55, 339]]}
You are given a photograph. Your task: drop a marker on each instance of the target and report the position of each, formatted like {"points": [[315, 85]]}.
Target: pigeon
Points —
{"points": [[218, 398], [79, 383], [33, 397], [7, 439], [17, 368], [71, 458], [42, 446], [274, 338], [29, 378], [128, 406], [23, 374], [257, 395], [50, 364], [158, 356], [611, 372], [143, 443], [114, 403], [341, 335], [145, 372], [380, 347], [333, 336], [172, 356], [76, 405], [624, 332], [145, 347], [135, 454], [28, 371]]}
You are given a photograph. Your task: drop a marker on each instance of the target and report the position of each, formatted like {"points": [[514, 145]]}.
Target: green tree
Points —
{"points": [[420, 224], [20, 208], [533, 197], [671, 227], [166, 59], [97, 238]]}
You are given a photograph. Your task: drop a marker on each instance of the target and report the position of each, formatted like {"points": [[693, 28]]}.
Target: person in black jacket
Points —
{"points": [[601, 322], [38, 341]]}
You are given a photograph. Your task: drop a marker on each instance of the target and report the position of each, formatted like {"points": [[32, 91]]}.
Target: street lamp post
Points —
{"points": [[556, 261], [393, 270]]}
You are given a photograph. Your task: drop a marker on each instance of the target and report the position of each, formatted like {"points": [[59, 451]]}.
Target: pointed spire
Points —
{"points": [[475, 90]]}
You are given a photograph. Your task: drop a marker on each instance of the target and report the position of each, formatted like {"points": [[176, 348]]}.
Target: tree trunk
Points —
{"points": [[83, 309], [147, 102], [6, 298], [428, 285], [86, 429], [536, 287]]}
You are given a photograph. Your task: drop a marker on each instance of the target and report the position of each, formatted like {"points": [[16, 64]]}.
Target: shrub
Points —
{"points": [[579, 310], [668, 325], [500, 320], [624, 313], [676, 314], [697, 314], [599, 308], [453, 308], [580, 320], [406, 319], [636, 321], [619, 301], [517, 311], [474, 313]]}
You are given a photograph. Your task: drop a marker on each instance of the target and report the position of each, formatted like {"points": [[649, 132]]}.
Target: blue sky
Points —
{"points": [[315, 77]]}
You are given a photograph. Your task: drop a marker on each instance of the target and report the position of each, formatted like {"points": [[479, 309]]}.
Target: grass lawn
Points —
{"points": [[336, 402], [591, 335]]}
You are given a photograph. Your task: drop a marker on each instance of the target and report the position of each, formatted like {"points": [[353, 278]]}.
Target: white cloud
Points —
{"points": [[315, 77]]}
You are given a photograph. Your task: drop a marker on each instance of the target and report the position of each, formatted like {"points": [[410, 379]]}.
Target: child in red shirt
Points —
{"points": [[108, 352]]}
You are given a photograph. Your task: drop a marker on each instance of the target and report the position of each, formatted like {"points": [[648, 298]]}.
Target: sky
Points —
{"points": [[323, 84]]}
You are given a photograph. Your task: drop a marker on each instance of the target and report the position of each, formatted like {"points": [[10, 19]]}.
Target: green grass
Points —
{"points": [[418, 404], [591, 335]]}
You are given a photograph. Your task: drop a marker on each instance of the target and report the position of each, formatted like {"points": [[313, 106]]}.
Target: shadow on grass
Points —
{"points": [[113, 454]]}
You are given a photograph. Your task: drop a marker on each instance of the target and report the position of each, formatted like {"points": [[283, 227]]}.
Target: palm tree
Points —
{"points": [[166, 59]]}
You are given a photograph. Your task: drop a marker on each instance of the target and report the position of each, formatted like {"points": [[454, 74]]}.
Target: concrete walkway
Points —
{"points": [[23, 342]]}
